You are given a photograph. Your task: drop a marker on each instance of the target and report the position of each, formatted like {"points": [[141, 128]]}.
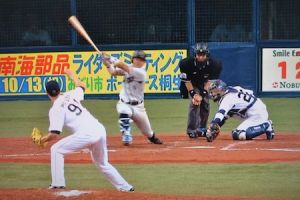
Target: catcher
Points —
{"points": [[242, 104], [87, 131]]}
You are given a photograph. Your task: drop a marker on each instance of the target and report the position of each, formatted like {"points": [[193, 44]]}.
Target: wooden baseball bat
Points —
{"points": [[79, 28]]}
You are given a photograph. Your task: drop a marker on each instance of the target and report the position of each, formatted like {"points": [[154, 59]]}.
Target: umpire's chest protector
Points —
{"points": [[199, 73]]}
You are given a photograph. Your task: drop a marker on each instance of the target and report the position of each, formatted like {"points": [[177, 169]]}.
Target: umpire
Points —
{"points": [[195, 72]]}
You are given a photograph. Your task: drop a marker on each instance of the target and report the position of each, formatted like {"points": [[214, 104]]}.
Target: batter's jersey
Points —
{"points": [[133, 84], [235, 103], [68, 111]]}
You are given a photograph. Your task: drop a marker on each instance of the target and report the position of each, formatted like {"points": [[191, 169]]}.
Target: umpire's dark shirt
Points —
{"points": [[198, 73]]}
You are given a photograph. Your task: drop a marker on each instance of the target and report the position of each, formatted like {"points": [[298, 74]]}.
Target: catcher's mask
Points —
{"points": [[139, 54], [52, 88], [217, 88], [201, 48]]}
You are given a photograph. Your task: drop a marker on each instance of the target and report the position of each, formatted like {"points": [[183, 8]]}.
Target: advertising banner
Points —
{"points": [[27, 73], [280, 69]]}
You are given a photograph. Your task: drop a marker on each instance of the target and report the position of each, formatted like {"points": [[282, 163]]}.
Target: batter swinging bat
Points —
{"points": [[79, 28]]}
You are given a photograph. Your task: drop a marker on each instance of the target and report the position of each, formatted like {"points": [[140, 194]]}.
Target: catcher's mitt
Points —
{"points": [[36, 136], [212, 132]]}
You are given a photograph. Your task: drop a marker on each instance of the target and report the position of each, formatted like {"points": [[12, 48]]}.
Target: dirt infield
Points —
{"points": [[38, 194], [176, 149]]}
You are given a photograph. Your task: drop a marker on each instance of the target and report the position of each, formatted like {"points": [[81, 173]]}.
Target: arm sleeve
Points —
{"points": [[184, 76], [56, 119], [220, 116], [78, 93]]}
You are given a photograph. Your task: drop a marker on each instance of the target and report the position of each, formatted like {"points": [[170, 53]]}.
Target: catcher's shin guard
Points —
{"points": [[125, 129], [250, 132]]}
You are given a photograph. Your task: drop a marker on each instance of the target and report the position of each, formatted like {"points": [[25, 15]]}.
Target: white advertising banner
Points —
{"points": [[280, 69]]}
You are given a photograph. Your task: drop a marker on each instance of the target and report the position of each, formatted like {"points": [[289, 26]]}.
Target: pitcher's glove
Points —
{"points": [[36, 137], [212, 132]]}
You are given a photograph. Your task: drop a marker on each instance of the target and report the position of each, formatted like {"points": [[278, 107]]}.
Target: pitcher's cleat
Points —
{"points": [[124, 190], [56, 187]]}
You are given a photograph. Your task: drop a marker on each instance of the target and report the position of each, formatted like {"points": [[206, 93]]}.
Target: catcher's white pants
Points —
{"points": [[96, 143], [138, 114], [256, 115]]}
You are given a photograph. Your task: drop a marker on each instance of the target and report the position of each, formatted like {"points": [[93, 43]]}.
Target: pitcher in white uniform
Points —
{"points": [[131, 103], [87, 132], [239, 103]]}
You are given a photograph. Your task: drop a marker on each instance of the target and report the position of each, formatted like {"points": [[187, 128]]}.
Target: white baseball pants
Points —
{"points": [[96, 143]]}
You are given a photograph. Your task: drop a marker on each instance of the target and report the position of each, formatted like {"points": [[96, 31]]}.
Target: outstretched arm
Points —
{"points": [[78, 83]]}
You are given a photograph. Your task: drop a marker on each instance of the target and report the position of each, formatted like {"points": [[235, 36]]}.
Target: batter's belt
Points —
{"points": [[133, 103]]}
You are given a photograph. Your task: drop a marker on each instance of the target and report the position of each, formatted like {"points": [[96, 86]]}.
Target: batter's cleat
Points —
{"points": [[211, 136], [56, 187], [270, 131], [124, 190], [127, 139], [155, 140]]}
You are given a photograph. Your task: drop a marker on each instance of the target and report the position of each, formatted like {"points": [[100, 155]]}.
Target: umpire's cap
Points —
{"points": [[201, 47], [52, 88], [139, 54]]}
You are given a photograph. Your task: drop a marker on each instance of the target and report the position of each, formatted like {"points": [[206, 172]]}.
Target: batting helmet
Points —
{"points": [[201, 48], [139, 54], [52, 88], [217, 89]]}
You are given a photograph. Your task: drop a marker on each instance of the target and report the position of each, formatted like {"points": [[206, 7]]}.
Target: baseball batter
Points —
{"points": [[242, 104], [87, 131], [131, 103]]}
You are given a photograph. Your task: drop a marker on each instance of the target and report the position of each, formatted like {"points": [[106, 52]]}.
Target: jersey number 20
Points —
{"points": [[247, 97]]}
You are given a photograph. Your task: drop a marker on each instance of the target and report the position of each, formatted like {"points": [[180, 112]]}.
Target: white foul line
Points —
{"points": [[200, 147], [230, 146]]}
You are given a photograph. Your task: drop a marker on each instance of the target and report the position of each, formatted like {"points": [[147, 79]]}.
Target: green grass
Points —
{"points": [[251, 180], [166, 115]]}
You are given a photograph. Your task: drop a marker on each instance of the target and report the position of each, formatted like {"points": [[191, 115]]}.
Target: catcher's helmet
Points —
{"points": [[217, 88], [139, 54], [52, 88], [201, 48]]}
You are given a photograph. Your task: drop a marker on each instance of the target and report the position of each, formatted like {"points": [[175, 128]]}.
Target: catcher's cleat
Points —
{"points": [[127, 139], [270, 131], [155, 140], [56, 187]]}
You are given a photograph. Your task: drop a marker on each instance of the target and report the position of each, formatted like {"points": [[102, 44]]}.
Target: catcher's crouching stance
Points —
{"points": [[87, 131], [239, 103]]}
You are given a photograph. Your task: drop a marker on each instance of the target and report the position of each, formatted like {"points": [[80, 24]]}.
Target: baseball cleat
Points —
{"points": [[201, 132], [270, 131], [192, 135], [56, 187], [127, 140], [155, 140], [124, 190]]}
